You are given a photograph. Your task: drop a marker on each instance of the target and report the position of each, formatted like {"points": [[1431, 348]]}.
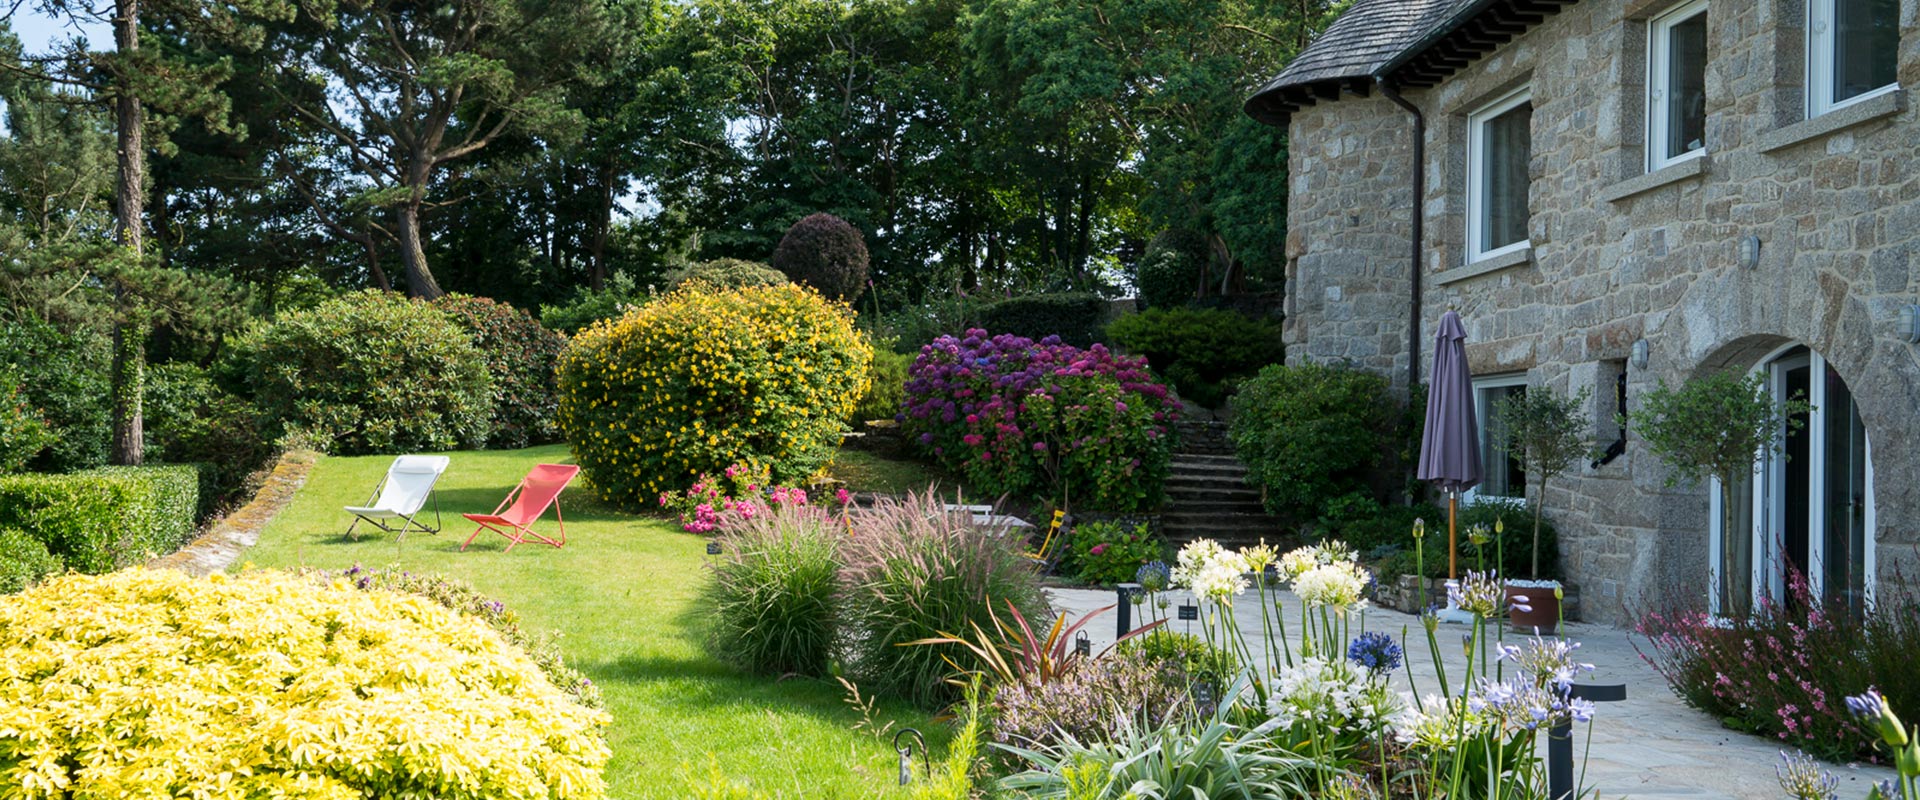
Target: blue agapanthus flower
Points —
{"points": [[1154, 576], [1376, 651]]}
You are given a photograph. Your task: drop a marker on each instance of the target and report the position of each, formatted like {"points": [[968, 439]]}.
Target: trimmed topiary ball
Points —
{"points": [[697, 381], [369, 372], [824, 252], [520, 355], [154, 684], [725, 273]]}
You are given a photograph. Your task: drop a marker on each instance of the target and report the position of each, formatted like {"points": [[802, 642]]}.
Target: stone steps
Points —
{"points": [[1207, 492]]}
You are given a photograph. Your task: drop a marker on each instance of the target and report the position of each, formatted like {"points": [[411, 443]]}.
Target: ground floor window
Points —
{"points": [[1502, 475], [1807, 510]]}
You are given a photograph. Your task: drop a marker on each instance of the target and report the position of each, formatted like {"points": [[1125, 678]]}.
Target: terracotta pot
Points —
{"points": [[1544, 617]]}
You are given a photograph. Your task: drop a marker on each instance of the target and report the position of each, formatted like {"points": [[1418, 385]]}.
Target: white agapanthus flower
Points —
{"points": [[1340, 586], [1335, 695], [1300, 560], [1192, 559], [1222, 578]]}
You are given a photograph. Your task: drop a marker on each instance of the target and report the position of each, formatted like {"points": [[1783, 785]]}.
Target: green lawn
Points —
{"points": [[624, 595]]}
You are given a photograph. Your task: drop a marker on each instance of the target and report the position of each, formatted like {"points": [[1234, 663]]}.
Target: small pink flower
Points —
{"points": [[1098, 549], [842, 496]]}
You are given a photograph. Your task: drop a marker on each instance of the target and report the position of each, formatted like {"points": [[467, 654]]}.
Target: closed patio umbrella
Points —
{"points": [[1450, 444]]}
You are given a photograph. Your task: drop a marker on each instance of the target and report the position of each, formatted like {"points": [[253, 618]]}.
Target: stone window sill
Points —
{"points": [[1670, 174], [1486, 266], [1880, 107]]}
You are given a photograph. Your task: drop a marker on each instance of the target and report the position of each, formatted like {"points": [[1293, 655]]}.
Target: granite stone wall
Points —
{"points": [[1618, 255]]}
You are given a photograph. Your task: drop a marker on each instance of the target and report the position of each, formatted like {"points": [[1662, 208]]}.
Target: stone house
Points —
{"points": [[1614, 193]]}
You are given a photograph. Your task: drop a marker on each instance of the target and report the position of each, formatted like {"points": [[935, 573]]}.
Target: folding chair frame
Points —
{"points": [[1048, 556], [517, 534], [410, 522]]}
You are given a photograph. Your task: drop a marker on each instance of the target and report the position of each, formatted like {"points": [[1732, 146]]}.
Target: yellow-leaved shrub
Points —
{"points": [[701, 379], [155, 684]]}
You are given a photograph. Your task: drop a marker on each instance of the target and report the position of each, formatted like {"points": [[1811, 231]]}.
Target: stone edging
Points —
{"points": [[224, 541]]}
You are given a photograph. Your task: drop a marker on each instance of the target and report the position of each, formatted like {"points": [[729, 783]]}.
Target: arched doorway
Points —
{"points": [[1808, 508]]}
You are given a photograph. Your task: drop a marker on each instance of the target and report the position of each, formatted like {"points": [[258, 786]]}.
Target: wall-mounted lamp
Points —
{"points": [[1638, 358], [1749, 251], [1910, 324]]}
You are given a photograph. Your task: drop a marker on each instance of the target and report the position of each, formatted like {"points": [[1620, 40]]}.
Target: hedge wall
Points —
{"points": [[104, 519], [1077, 318]]}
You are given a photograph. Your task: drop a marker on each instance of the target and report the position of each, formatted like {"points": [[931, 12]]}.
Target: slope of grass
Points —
{"points": [[624, 595]]}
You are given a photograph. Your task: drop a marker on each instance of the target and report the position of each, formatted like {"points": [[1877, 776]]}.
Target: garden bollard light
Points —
{"points": [[1560, 738], [906, 755], [1083, 645], [713, 548], [1123, 622]]}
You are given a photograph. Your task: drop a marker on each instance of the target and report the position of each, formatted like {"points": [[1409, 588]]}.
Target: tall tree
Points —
{"points": [[412, 88], [137, 82]]}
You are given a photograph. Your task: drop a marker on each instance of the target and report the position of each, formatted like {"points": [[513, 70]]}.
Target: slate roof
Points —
{"points": [[1381, 37]]}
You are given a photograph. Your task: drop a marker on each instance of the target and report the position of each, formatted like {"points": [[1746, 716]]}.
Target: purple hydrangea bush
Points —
{"points": [[1015, 416]]}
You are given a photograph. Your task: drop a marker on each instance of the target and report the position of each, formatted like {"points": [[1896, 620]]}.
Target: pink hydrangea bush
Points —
{"points": [[738, 493], [1015, 416]]}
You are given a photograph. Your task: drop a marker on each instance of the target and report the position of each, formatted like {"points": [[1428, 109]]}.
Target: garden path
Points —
{"points": [[1650, 746]]}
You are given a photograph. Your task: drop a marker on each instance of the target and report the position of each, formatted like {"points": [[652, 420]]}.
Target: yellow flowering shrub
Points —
{"points": [[699, 380], [154, 684]]}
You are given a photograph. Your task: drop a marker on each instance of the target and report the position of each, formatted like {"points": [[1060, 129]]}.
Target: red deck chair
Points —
{"points": [[524, 505]]}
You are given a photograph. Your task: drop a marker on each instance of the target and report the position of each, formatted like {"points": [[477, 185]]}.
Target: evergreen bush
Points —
{"points": [[520, 354], [368, 372], [101, 520], [65, 376], [825, 252], [24, 431], [1204, 354], [1168, 275], [697, 381], [24, 560], [725, 273], [189, 419], [1311, 433], [317, 691]]}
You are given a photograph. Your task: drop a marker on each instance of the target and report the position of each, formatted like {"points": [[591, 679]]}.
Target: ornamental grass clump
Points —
{"points": [[697, 381], [915, 571], [1084, 428], [775, 590], [154, 684]]}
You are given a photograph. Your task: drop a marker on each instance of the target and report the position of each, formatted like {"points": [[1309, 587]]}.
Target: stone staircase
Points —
{"points": [[1208, 495]]}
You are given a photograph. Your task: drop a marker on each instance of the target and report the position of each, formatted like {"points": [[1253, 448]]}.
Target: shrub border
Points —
{"points": [[224, 541]]}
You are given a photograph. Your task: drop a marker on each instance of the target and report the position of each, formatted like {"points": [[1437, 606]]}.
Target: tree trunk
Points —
{"points": [[129, 195], [379, 275], [603, 227], [420, 282]]}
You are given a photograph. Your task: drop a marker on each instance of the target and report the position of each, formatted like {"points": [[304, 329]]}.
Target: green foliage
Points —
{"points": [[1545, 432], [826, 253], [1310, 433], [1714, 425], [774, 590], [697, 381], [64, 375], [1170, 270], [953, 778], [1202, 353], [24, 560], [1077, 318], [1106, 446], [1106, 553], [192, 420], [1185, 653], [370, 372], [725, 273], [914, 571], [1386, 533], [105, 519], [889, 388], [520, 356], [23, 429]]}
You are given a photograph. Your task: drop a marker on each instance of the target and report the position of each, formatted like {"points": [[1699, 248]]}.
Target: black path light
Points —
{"points": [[1083, 645], [713, 547], [906, 755], [1560, 738]]}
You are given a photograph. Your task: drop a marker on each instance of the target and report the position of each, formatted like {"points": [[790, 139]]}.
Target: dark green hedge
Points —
{"points": [[102, 520], [1077, 318], [24, 560]]}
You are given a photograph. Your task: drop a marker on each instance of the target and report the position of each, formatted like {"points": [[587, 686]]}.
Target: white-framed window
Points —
{"points": [[1852, 52], [1501, 475], [1677, 85], [1499, 145]]}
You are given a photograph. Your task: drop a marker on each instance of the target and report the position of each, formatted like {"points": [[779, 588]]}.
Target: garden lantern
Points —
{"points": [[906, 755]]}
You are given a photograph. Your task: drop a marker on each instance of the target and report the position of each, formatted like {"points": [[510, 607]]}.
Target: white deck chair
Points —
{"points": [[401, 495]]}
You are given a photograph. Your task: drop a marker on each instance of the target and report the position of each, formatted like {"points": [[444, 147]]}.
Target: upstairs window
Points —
{"points": [[1852, 51], [1677, 86], [1498, 148]]}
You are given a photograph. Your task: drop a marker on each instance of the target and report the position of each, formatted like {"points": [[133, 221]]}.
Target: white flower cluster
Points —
{"points": [[1334, 695], [1211, 571], [1301, 560], [1341, 586]]}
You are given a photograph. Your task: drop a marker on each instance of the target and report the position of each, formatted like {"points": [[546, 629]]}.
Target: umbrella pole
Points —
{"points": [[1453, 535]]}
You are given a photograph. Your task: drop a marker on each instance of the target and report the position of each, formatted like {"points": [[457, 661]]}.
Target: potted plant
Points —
{"points": [[1544, 431], [1716, 426]]}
